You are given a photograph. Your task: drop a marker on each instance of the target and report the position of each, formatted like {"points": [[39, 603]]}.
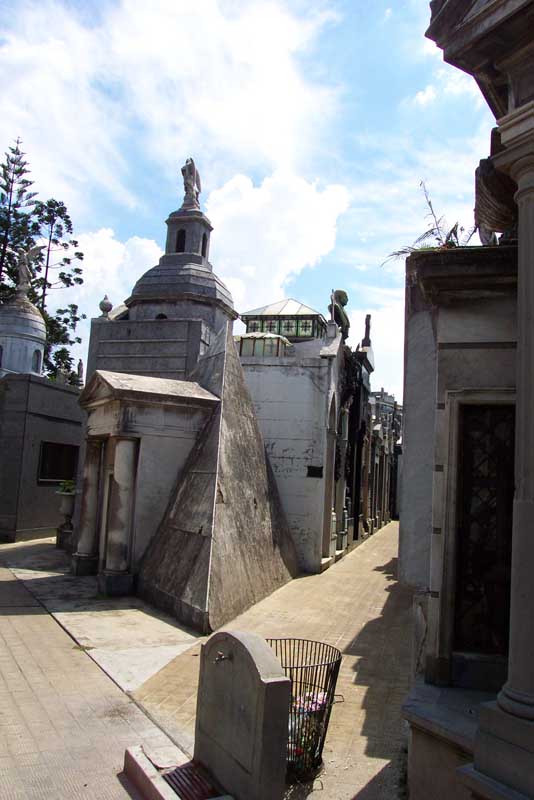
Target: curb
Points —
{"points": [[147, 779]]}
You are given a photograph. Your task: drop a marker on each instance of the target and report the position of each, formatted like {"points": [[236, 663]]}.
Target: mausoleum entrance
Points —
{"points": [[483, 540]]}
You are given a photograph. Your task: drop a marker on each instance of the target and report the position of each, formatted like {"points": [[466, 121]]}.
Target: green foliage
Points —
{"points": [[438, 236], [67, 487], [16, 221], [25, 222], [59, 254]]}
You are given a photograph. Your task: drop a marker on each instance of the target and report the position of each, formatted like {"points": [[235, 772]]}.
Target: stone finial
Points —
{"points": [[192, 187], [366, 342], [105, 306], [79, 372]]}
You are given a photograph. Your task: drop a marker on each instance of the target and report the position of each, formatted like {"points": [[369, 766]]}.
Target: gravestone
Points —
{"points": [[242, 716]]}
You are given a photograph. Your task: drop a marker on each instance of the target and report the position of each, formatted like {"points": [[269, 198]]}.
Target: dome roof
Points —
{"points": [[19, 317], [178, 276]]}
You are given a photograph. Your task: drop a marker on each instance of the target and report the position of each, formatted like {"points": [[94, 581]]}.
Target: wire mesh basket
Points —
{"points": [[313, 668]]}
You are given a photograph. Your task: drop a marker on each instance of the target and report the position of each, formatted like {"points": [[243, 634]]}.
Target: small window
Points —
{"points": [[180, 241], [271, 326], [289, 327], [161, 316], [247, 347], [253, 326], [305, 327], [315, 472], [204, 245], [57, 462], [36, 362]]}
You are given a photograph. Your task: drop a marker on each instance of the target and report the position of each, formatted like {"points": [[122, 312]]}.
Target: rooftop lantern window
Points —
{"points": [[180, 241]]}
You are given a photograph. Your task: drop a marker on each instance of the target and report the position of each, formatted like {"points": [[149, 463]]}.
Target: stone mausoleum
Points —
{"points": [[218, 467], [178, 499], [40, 425], [467, 504]]}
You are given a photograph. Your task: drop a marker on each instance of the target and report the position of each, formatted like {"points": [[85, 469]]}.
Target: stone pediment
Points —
{"points": [[454, 21], [480, 37], [105, 386], [449, 15]]}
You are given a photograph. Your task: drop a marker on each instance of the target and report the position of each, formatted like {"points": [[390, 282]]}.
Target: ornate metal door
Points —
{"points": [[484, 529]]}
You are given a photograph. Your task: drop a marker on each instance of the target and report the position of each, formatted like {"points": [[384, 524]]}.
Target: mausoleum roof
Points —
{"points": [[283, 308], [104, 384], [19, 317]]}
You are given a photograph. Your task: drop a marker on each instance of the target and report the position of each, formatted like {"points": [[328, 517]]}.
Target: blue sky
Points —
{"points": [[312, 125]]}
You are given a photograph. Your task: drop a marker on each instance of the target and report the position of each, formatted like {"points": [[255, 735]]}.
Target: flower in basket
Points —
{"points": [[310, 703]]}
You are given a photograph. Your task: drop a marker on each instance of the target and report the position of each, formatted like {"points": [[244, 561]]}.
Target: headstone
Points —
{"points": [[242, 716]]}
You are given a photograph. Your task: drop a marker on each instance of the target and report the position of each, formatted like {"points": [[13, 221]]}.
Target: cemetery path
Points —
{"points": [[64, 724], [358, 606]]}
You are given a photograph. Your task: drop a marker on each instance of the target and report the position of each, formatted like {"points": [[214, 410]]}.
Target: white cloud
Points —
{"points": [[456, 83], [212, 78], [386, 307], [430, 48], [425, 96], [263, 236], [109, 267], [266, 234], [387, 14], [448, 83]]}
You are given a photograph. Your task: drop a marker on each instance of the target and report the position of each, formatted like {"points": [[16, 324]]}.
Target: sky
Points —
{"points": [[312, 125]]}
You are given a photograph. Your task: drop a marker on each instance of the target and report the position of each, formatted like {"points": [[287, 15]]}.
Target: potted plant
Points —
{"points": [[67, 492]]}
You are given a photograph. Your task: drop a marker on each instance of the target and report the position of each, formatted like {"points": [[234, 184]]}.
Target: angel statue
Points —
{"points": [[25, 257], [192, 187]]}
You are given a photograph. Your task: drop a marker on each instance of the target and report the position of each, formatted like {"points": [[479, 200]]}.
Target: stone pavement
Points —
{"points": [[129, 639], [64, 725], [358, 606]]}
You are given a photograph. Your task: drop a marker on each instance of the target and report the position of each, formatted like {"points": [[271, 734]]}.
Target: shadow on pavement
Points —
{"points": [[45, 573]]}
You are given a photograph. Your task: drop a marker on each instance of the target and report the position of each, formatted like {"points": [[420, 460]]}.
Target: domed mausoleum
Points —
{"points": [[178, 500], [174, 309], [22, 336], [40, 421]]}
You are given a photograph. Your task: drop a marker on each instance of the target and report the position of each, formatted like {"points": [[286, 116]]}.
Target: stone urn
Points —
{"points": [[64, 531]]}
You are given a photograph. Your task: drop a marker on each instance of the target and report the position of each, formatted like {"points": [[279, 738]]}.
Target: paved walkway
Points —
{"points": [[358, 606], [64, 724]]}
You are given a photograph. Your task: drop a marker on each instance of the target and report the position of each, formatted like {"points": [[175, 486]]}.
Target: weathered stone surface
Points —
{"points": [[242, 715], [224, 543], [32, 410], [143, 386]]}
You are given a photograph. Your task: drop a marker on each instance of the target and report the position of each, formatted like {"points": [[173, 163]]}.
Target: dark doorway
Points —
{"points": [[484, 529]]}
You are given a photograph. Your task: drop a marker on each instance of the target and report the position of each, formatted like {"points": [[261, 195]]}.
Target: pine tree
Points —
{"points": [[25, 222], [54, 226], [16, 206]]}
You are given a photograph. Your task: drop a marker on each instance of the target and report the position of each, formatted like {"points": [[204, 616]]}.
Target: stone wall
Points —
{"points": [[162, 348], [292, 398], [32, 410]]}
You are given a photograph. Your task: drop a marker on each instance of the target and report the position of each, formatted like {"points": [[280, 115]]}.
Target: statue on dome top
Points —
{"points": [[192, 187], [25, 257]]}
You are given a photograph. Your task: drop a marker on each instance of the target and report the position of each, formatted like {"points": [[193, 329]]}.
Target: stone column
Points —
{"points": [[517, 695], [341, 485], [116, 578], [504, 747], [85, 559]]}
